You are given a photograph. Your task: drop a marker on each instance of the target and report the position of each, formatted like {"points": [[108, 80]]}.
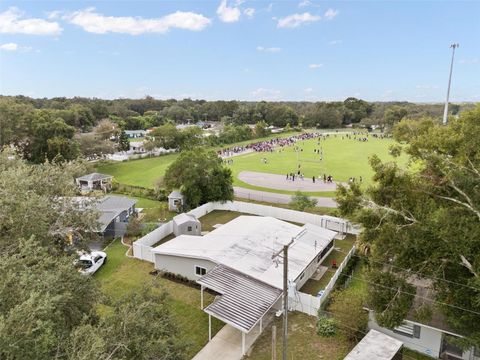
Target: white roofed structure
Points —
{"points": [[376, 346]]}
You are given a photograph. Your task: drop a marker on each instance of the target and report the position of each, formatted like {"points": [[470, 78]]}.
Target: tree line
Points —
{"points": [[68, 127]]}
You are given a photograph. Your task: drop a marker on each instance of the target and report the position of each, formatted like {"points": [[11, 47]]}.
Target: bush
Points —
{"points": [[347, 307], [326, 326]]}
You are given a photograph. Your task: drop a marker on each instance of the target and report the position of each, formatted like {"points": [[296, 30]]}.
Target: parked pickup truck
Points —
{"points": [[88, 264]]}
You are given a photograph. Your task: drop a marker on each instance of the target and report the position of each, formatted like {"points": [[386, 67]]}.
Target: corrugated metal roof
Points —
{"points": [[243, 301]]}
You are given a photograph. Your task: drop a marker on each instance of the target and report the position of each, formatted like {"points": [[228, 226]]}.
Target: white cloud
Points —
{"points": [[308, 90], [426, 87], [9, 47], [93, 22], [304, 3], [249, 12], [330, 14], [266, 94], [53, 14], [335, 42], [269, 7], [268, 49], [315, 66], [12, 21], [239, 2], [15, 47], [228, 14], [469, 61], [295, 20]]}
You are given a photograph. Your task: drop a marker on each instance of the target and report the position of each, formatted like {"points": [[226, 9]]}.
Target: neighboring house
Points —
{"points": [[115, 212], [133, 134], [431, 337], [376, 346], [94, 181], [137, 146], [186, 224], [236, 261], [175, 201]]}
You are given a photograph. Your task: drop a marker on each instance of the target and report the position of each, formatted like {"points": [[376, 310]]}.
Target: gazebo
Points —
{"points": [[95, 181]]}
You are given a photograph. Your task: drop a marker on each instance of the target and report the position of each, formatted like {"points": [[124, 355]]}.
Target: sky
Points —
{"points": [[302, 50]]}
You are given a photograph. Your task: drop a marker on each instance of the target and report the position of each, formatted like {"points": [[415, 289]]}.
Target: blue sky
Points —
{"points": [[245, 50]]}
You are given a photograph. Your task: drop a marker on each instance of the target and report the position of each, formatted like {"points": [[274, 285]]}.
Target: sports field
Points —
{"points": [[341, 158]]}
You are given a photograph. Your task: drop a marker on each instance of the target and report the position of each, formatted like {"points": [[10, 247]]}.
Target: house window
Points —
{"points": [[189, 228], [200, 271], [324, 251]]}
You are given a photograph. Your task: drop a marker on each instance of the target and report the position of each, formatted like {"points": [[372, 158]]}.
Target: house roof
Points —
{"points": [[110, 207], [175, 194], [243, 301], [247, 244], [184, 218], [94, 177], [375, 346]]}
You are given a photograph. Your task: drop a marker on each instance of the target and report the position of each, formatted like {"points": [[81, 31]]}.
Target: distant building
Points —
{"points": [[137, 146], [115, 212], [186, 224], [175, 201], [376, 346], [132, 134], [94, 181]]}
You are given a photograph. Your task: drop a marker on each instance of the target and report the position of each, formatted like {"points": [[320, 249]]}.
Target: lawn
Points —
{"points": [[218, 217], [314, 286], [122, 275], [303, 341], [341, 158]]}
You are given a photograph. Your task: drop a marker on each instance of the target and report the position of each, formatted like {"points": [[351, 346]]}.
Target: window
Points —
{"points": [[200, 271], [189, 228], [324, 251], [407, 329]]}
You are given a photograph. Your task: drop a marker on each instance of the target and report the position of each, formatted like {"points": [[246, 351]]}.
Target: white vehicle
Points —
{"points": [[88, 264]]}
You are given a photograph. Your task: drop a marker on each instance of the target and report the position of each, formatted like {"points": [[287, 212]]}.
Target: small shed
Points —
{"points": [[186, 224], [376, 346], [175, 201], [95, 181]]}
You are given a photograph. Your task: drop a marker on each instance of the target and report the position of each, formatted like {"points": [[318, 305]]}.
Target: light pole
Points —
{"points": [[445, 111]]}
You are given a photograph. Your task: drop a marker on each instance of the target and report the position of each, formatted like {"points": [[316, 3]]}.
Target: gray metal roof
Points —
{"points": [[176, 195], [94, 177], [243, 301], [375, 346], [110, 207]]}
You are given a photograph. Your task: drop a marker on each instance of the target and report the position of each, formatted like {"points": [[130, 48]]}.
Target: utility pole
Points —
{"points": [[445, 110], [285, 296], [274, 342]]}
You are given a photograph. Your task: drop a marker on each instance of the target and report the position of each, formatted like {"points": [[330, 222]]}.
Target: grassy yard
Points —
{"points": [[341, 158], [314, 286], [303, 341], [122, 275]]}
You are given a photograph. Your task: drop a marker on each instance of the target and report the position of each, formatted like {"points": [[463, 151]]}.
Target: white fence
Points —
{"points": [[143, 246]]}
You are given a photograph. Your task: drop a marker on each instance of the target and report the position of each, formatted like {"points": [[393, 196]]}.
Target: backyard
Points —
{"points": [[122, 275], [339, 252]]}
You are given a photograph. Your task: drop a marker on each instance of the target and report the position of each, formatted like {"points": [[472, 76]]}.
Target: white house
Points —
{"points": [[94, 181], [376, 346], [432, 337], [246, 244]]}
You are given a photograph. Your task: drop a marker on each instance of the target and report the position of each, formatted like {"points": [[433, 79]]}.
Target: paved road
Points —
{"points": [[277, 198]]}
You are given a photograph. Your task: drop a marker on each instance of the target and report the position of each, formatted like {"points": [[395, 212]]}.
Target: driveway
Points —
{"points": [[277, 198]]}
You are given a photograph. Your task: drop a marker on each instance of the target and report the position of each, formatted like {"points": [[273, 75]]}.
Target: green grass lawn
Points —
{"points": [[303, 341], [218, 217], [122, 275], [341, 158]]}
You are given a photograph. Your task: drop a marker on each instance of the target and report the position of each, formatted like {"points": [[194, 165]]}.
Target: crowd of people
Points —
{"points": [[267, 145]]}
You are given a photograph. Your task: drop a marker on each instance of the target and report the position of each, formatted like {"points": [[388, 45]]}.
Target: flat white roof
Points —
{"points": [[375, 346], [247, 243]]}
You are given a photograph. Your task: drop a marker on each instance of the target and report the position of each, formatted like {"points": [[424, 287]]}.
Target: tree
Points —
{"points": [[200, 176], [348, 309], [261, 129], [123, 143], [323, 116], [167, 136], [90, 145], [106, 129], [427, 221], [301, 201], [394, 114]]}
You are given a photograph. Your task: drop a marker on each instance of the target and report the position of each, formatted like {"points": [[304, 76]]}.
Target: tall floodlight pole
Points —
{"points": [[445, 110]]}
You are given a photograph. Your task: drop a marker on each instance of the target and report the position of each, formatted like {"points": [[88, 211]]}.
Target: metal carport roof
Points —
{"points": [[243, 300]]}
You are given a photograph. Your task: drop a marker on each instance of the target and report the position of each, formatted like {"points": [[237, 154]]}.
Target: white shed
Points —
{"points": [[186, 224], [175, 201]]}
